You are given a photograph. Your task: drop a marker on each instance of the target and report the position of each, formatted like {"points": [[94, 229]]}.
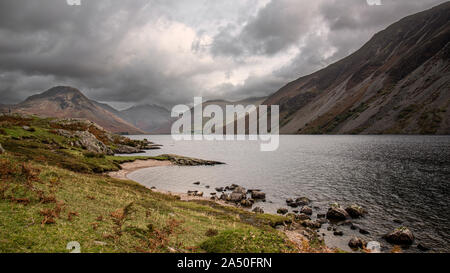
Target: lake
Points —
{"points": [[396, 178]]}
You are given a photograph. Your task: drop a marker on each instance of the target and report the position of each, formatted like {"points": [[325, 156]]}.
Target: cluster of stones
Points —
{"points": [[340, 216], [240, 196]]}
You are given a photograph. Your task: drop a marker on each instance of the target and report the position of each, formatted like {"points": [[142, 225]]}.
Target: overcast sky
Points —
{"points": [[168, 51]]}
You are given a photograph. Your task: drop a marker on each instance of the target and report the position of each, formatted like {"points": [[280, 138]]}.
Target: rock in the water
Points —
{"points": [[338, 233], [225, 197], [246, 203], [282, 211], [400, 236], [1, 149], [195, 193], [423, 247], [335, 212], [220, 189], [321, 216], [355, 211], [196, 183], [258, 210], [363, 231], [356, 243], [258, 195], [237, 197], [302, 201], [373, 247], [311, 224], [302, 217], [240, 190], [306, 210]]}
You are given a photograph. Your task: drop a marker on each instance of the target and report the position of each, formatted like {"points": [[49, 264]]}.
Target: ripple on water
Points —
{"points": [[395, 177]]}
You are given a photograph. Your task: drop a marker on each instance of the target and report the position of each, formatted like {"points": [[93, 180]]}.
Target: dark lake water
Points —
{"points": [[402, 178]]}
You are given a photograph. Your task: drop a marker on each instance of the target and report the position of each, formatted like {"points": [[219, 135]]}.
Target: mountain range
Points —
{"points": [[397, 83], [68, 102]]}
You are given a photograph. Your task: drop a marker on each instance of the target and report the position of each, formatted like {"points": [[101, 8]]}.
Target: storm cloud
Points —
{"points": [[167, 52]]}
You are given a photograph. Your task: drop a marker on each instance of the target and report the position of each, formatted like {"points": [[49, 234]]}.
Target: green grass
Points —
{"points": [[240, 240], [153, 222], [52, 193]]}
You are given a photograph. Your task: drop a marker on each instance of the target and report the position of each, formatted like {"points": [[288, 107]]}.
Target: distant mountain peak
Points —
{"points": [[58, 90], [397, 83], [69, 102]]}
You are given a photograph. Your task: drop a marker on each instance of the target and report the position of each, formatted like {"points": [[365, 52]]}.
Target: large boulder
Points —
{"points": [[311, 224], [246, 203], [306, 210], [237, 197], [356, 243], [258, 195], [291, 203], [225, 197], [400, 236], [85, 140], [335, 212], [355, 211], [302, 217], [240, 190], [89, 142], [1, 149], [302, 201]]}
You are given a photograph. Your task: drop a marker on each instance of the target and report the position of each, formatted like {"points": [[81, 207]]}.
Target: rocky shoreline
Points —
{"points": [[303, 221], [302, 224]]}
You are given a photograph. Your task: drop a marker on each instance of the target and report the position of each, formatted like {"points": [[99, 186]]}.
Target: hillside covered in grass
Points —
{"points": [[53, 191]]}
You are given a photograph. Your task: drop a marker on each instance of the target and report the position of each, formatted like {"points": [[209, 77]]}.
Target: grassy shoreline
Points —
{"points": [[52, 193], [110, 215]]}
